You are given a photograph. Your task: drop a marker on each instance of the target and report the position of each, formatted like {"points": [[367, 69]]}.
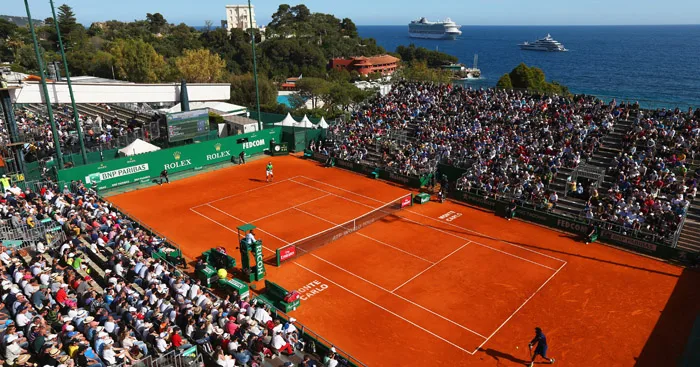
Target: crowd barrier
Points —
{"points": [[415, 182], [608, 234], [148, 166]]}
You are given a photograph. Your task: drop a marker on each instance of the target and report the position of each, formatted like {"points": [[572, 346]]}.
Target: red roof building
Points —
{"points": [[384, 64], [290, 84]]}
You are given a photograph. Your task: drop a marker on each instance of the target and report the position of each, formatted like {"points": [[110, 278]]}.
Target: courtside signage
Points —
{"points": [[287, 253], [126, 171], [254, 143], [406, 201], [146, 166]]}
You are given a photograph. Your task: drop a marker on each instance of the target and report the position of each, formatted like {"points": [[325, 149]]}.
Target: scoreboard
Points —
{"points": [[187, 125]]}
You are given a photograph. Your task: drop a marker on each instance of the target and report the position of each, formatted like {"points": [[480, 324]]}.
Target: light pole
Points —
{"points": [[255, 65], [47, 98], [76, 118]]}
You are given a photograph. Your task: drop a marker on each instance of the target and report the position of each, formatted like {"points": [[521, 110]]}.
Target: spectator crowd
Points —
{"points": [[513, 143], [35, 130], [653, 186], [100, 298]]}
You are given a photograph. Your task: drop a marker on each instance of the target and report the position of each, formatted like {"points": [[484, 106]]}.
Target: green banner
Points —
{"points": [[147, 166]]}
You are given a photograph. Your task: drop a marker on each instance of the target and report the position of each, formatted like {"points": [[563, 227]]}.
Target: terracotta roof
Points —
{"points": [[383, 59]]}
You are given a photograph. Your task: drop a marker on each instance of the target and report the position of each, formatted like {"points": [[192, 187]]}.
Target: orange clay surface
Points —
{"points": [[435, 284]]}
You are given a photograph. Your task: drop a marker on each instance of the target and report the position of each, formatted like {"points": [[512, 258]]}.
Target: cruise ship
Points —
{"points": [[422, 28], [543, 44]]}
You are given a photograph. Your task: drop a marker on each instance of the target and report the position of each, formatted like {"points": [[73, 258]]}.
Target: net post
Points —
{"points": [[277, 258], [412, 197]]}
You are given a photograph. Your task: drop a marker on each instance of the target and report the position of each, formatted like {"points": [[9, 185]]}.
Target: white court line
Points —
{"points": [[395, 248], [375, 240], [336, 195], [242, 221], [247, 191], [388, 291], [399, 296], [521, 306], [340, 188], [454, 225], [485, 235], [429, 267], [478, 243], [225, 226], [384, 309], [290, 208]]}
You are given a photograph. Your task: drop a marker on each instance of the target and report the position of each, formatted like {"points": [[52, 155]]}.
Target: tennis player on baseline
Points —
{"points": [[541, 349], [269, 176]]}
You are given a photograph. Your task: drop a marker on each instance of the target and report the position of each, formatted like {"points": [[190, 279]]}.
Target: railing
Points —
{"points": [[613, 227], [48, 231], [174, 358], [310, 334]]}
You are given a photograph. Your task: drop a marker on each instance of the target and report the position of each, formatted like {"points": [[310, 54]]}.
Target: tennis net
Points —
{"points": [[320, 239]]}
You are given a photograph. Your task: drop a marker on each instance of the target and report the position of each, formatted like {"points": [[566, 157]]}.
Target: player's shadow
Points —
{"points": [[256, 180], [498, 356]]}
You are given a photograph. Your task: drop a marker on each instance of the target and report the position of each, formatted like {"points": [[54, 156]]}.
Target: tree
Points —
{"points": [[348, 27], [313, 89], [530, 78], [200, 66], [434, 59], [66, 20], [26, 58], [243, 90], [137, 61], [419, 71], [505, 82], [6, 29], [14, 43], [156, 22]]}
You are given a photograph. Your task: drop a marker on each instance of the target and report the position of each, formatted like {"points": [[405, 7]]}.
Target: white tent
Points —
{"points": [[322, 124], [306, 123], [288, 121], [137, 147]]}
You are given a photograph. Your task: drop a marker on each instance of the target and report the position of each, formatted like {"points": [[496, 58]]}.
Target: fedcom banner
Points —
{"points": [[147, 166]]}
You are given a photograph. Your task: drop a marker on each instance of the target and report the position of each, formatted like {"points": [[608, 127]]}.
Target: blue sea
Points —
{"points": [[655, 65]]}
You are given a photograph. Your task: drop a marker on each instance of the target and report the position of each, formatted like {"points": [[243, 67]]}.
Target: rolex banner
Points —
{"points": [[149, 165]]}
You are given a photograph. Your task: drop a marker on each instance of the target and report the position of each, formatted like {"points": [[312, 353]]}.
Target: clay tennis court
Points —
{"points": [[434, 284]]}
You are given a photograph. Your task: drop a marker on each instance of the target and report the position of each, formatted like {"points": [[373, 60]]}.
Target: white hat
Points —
{"points": [[70, 328], [292, 320], [132, 309], [12, 338]]}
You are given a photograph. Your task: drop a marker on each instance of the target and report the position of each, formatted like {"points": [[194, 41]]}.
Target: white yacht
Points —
{"points": [[422, 28], [543, 44]]}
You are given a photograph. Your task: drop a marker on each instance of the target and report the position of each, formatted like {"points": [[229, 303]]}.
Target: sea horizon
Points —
{"points": [[653, 64]]}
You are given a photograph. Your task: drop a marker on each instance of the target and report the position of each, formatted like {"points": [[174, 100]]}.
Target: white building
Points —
{"points": [[237, 17]]}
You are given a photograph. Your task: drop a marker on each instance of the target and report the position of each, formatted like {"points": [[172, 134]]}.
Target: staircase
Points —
{"points": [[610, 147], [689, 239]]}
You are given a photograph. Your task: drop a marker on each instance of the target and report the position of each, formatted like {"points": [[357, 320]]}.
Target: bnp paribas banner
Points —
{"points": [[145, 166]]}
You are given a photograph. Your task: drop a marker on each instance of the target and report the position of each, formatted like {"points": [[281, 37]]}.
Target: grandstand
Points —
{"points": [[371, 269]]}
